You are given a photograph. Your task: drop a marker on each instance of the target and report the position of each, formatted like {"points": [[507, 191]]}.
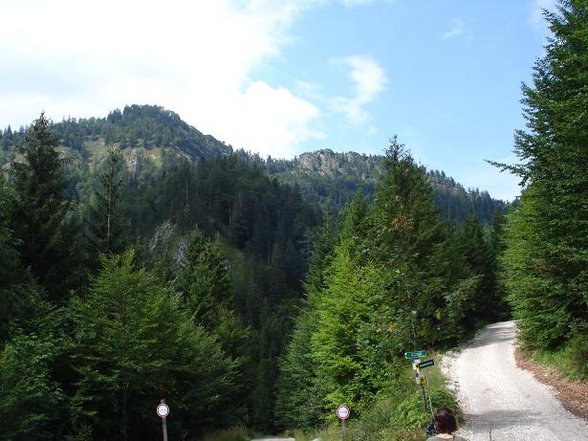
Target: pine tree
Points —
{"points": [[106, 225], [10, 267], [546, 259], [205, 285], [136, 344], [33, 402], [408, 238], [41, 218]]}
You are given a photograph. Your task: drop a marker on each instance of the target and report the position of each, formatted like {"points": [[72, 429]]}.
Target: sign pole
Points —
{"points": [[164, 428], [343, 413], [163, 411]]}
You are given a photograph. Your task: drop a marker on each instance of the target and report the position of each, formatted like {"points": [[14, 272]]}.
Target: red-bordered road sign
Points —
{"points": [[162, 410], [343, 412]]}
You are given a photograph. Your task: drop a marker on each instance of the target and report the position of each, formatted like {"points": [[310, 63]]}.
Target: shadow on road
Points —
{"points": [[499, 419], [493, 334]]}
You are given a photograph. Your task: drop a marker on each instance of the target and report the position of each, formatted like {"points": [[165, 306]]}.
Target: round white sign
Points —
{"points": [[163, 410], [343, 412]]}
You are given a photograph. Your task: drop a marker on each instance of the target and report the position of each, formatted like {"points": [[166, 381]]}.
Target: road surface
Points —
{"points": [[502, 402]]}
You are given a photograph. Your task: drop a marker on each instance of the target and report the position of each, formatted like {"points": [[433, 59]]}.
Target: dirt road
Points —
{"points": [[502, 402]]}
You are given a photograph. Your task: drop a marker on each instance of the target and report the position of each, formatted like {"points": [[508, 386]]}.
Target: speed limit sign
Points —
{"points": [[343, 412], [162, 410]]}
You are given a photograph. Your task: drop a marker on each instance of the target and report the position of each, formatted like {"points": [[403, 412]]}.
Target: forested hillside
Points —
{"points": [[141, 260], [129, 273], [332, 179], [395, 278], [146, 134], [122, 284]]}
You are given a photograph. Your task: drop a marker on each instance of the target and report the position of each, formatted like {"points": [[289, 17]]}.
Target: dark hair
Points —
{"points": [[445, 421]]}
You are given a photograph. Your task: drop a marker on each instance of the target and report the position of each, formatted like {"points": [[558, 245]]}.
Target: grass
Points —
{"points": [[571, 360]]}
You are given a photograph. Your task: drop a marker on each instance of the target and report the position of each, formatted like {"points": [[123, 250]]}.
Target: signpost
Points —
{"points": [[426, 363], [163, 412], [420, 379], [414, 355], [343, 413]]}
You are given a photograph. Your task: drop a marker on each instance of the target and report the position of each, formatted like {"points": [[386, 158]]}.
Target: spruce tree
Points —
{"points": [[408, 237], [546, 259], [106, 224], [136, 344], [40, 217]]}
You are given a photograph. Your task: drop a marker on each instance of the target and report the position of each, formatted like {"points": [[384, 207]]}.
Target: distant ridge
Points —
{"points": [[148, 133]]}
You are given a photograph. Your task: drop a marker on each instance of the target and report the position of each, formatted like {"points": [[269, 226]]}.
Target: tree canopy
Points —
{"points": [[546, 259]]}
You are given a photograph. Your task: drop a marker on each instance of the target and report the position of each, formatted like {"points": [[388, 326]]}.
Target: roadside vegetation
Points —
{"points": [[198, 278]]}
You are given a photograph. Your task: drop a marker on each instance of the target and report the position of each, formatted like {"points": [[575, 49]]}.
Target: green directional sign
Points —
{"points": [[426, 363], [416, 354]]}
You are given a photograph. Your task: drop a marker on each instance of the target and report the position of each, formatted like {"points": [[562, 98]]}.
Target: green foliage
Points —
{"points": [[546, 257], [33, 403], [205, 325], [136, 345], [569, 359], [139, 126], [333, 178], [397, 280], [352, 357], [39, 214], [397, 412], [105, 223], [300, 389], [12, 275], [31, 400], [578, 354]]}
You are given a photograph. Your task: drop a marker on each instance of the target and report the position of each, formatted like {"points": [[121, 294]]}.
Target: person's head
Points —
{"points": [[445, 421]]}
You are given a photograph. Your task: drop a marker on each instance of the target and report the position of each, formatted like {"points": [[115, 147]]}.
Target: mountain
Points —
{"points": [[146, 134], [332, 178], [147, 127]]}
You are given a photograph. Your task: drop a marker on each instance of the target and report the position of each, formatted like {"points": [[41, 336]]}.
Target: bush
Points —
{"points": [[578, 355], [411, 415]]}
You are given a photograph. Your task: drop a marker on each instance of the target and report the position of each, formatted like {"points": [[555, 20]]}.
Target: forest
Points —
{"points": [[141, 260]]}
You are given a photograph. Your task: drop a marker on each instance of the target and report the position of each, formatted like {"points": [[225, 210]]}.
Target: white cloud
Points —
{"points": [[193, 57], [458, 29], [369, 80], [267, 120], [352, 3]]}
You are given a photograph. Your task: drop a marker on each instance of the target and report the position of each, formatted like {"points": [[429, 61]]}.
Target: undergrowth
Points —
{"points": [[399, 414], [571, 360]]}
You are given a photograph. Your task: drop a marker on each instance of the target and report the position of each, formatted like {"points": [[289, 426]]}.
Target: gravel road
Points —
{"points": [[502, 402]]}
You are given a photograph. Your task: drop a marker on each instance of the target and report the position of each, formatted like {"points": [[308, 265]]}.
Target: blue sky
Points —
{"points": [[281, 77]]}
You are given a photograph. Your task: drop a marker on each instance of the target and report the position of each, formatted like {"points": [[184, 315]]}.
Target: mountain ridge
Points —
{"points": [[147, 133]]}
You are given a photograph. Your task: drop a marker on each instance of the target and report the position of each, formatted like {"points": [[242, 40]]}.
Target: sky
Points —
{"points": [[283, 77]]}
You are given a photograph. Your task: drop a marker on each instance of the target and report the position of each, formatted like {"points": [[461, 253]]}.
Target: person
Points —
{"points": [[445, 424]]}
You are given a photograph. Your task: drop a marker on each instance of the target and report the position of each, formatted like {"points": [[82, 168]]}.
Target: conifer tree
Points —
{"points": [[41, 218], [205, 286], [10, 268], [408, 238], [106, 225], [135, 344], [546, 256]]}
